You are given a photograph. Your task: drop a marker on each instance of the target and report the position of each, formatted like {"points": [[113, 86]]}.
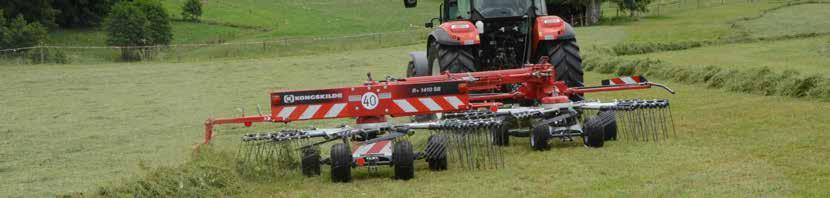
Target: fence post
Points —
{"points": [[42, 56]]}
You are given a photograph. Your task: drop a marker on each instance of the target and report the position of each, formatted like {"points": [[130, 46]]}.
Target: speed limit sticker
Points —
{"points": [[369, 100]]}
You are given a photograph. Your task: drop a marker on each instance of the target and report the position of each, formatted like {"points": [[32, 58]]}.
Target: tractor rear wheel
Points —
{"points": [[453, 59], [539, 138], [311, 162], [564, 56], [436, 152], [403, 160], [341, 163]]}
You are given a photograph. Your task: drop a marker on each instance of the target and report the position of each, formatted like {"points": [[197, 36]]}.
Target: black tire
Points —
{"points": [[341, 163], [436, 152], [455, 59], [501, 135], [311, 162], [539, 138], [609, 124], [403, 159], [564, 56], [594, 132]]}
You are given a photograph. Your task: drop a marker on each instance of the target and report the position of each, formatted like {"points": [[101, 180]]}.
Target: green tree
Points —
{"points": [[134, 25], [17, 33], [82, 13], [192, 10], [32, 10], [4, 32], [632, 7], [159, 30]]}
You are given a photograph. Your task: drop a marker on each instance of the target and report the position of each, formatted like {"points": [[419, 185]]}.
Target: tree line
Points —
{"points": [[128, 23]]}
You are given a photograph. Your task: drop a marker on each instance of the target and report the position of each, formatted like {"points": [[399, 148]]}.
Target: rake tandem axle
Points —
{"points": [[476, 115]]}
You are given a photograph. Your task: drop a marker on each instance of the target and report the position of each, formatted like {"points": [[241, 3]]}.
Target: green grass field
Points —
{"points": [[70, 129], [303, 18]]}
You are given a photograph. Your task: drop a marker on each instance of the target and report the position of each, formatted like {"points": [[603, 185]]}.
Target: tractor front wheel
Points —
{"points": [[341, 163], [403, 159]]}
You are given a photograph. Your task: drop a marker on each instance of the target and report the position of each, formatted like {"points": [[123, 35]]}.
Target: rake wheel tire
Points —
{"points": [[594, 132], [403, 159], [311, 162], [539, 138], [564, 56], [437, 152], [341, 163], [501, 135], [610, 125]]}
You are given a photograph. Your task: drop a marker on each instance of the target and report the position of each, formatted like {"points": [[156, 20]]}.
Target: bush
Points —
{"points": [[44, 56], [192, 10], [137, 25]]}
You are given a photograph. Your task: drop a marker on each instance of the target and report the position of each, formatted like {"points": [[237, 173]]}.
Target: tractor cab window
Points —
{"points": [[458, 9], [507, 8]]}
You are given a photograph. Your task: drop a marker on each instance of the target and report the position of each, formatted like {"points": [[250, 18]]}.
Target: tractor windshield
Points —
{"points": [[505, 8]]}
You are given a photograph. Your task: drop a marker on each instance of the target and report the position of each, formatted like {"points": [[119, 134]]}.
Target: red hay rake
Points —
{"points": [[476, 116]]}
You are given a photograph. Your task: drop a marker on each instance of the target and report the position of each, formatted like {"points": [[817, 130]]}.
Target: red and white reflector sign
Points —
{"points": [[625, 80]]}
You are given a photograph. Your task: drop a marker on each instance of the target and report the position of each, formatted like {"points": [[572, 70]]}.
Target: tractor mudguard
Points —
{"points": [[568, 34], [419, 65], [456, 33], [553, 28]]}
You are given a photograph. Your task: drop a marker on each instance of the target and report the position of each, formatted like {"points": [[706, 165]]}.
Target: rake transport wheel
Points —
{"points": [[403, 159], [501, 134], [539, 138], [311, 162], [610, 124], [594, 132], [437, 152], [341, 163], [564, 56]]}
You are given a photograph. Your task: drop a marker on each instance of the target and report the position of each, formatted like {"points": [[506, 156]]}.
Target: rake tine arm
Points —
{"points": [[246, 120]]}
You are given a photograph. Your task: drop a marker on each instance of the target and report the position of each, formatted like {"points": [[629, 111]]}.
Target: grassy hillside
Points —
{"points": [[304, 18]]}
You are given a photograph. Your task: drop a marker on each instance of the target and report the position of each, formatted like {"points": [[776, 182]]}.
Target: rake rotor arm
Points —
{"points": [[246, 120], [622, 87]]}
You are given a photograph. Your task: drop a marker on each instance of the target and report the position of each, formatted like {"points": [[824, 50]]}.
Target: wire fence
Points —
{"points": [[245, 49], [664, 7]]}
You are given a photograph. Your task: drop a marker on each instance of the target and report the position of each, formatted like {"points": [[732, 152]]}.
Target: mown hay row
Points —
{"points": [[761, 81]]}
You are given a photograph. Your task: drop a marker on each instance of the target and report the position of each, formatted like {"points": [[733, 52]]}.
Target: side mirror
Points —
{"points": [[431, 23], [410, 3]]}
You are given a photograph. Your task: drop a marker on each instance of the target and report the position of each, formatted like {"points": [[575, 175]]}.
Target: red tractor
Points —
{"points": [[485, 35]]}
